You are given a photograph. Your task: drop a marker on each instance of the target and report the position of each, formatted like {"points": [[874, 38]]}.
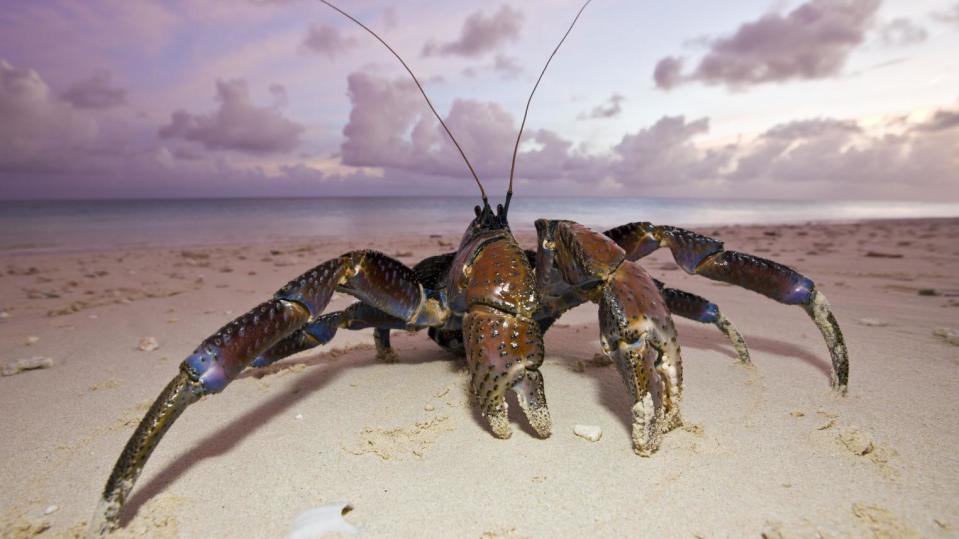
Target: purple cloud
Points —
{"points": [[941, 120], [839, 156], [237, 125], [390, 127], [812, 41], [610, 108], [39, 131], [95, 92], [327, 40], [507, 66], [901, 32], [480, 34], [668, 72], [665, 153]]}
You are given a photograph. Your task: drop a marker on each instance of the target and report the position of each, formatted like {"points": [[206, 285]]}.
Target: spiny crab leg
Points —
{"points": [[208, 370], [322, 330], [700, 309], [179, 393], [383, 282], [701, 255]]}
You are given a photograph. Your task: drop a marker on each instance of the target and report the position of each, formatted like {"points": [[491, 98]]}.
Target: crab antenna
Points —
{"points": [[422, 91], [512, 168]]}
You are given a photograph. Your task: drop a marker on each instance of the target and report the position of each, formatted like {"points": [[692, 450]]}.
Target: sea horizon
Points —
{"points": [[59, 225]]}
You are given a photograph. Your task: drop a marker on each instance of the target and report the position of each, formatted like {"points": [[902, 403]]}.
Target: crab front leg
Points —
{"points": [[705, 256], [373, 277], [504, 352], [636, 328]]}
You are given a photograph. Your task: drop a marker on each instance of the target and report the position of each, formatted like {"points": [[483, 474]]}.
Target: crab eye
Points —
{"points": [[477, 210]]}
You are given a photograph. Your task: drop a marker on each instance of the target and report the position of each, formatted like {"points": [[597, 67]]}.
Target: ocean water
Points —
{"points": [[45, 226]]}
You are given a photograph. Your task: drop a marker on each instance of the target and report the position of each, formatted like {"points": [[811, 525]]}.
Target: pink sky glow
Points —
{"points": [[822, 99]]}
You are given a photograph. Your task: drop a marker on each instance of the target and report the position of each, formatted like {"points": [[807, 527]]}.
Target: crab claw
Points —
{"points": [[504, 353]]}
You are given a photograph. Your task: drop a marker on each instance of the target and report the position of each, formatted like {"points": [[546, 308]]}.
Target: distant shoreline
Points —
{"points": [[525, 231]]}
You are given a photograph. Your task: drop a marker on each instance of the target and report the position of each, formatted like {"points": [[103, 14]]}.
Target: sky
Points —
{"points": [[770, 99]]}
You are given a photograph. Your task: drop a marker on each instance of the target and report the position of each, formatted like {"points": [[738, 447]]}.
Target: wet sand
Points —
{"points": [[765, 450]]}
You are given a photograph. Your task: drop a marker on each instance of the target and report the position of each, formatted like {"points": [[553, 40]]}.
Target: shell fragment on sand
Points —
{"points": [[320, 521], [148, 344], [27, 364], [588, 432], [873, 322]]}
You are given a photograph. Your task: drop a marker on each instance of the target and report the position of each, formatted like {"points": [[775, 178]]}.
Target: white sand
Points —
{"points": [[764, 450]]}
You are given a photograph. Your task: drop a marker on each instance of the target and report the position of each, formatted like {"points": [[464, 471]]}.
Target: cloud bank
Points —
{"points": [[812, 41], [480, 34], [237, 125]]}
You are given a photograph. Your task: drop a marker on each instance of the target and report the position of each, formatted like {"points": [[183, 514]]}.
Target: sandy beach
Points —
{"points": [[765, 451]]}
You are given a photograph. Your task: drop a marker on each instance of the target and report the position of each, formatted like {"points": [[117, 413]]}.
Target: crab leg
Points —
{"points": [[636, 328], [559, 296], [373, 277], [322, 330], [700, 309], [705, 256]]}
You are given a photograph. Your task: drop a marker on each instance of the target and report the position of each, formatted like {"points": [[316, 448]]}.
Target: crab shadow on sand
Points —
{"points": [[325, 368], [328, 367], [612, 391]]}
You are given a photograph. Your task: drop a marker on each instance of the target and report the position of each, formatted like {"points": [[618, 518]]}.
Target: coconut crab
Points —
{"points": [[492, 301]]}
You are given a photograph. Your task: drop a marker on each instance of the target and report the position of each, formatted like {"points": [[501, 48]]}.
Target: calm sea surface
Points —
{"points": [[82, 225]]}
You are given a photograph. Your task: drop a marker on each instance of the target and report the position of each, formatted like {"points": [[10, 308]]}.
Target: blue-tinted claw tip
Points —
{"points": [[204, 367]]}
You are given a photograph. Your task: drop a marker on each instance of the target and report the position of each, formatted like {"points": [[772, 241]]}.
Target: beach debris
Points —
{"points": [[26, 527], [877, 254], [15, 270], [588, 432], [928, 292], [111, 383], [397, 443], [148, 344], [320, 521], [882, 522], [195, 255], [429, 408], [797, 413], [51, 509], [950, 335], [298, 417], [4, 315], [27, 364], [856, 441], [873, 322], [31, 340]]}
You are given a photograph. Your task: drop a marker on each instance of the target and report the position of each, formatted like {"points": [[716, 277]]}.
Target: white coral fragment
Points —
{"points": [[588, 432], [319, 521]]}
